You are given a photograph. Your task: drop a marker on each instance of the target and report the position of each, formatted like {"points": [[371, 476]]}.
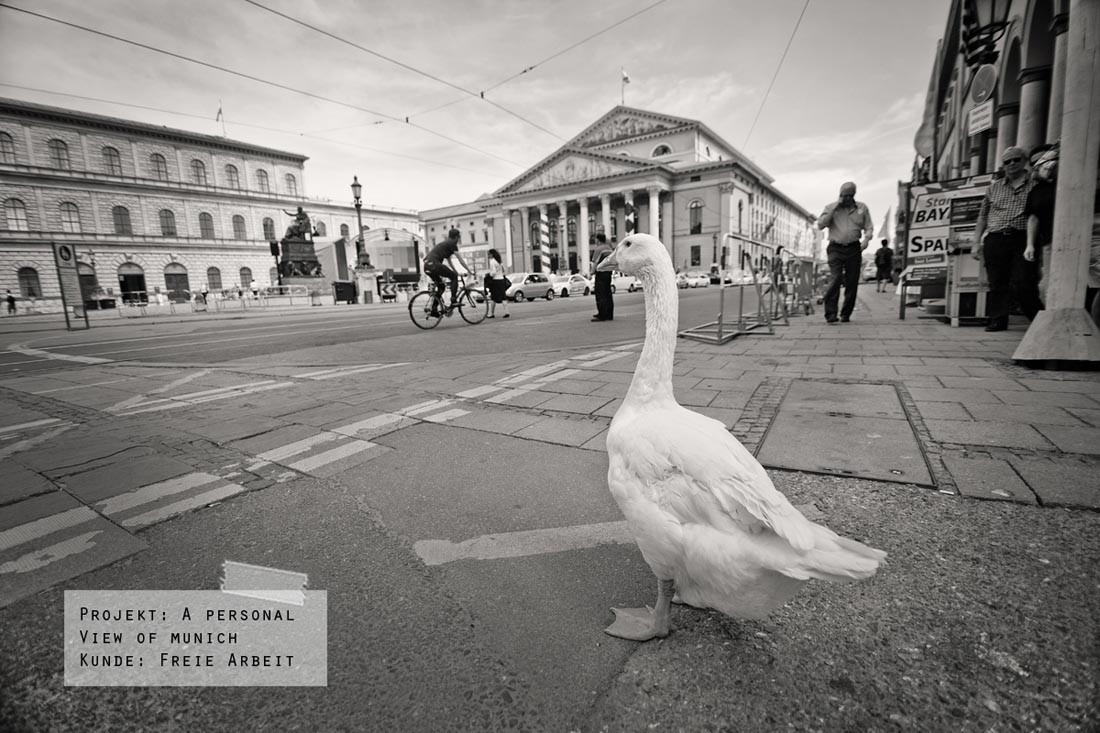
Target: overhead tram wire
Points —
{"points": [[567, 49], [280, 131], [776, 74], [407, 67], [259, 80]]}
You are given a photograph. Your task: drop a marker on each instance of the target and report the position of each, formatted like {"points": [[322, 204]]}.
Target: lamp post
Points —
{"points": [[360, 248], [984, 22]]}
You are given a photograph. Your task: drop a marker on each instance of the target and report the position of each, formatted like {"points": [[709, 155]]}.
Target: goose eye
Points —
{"points": [[628, 243]]}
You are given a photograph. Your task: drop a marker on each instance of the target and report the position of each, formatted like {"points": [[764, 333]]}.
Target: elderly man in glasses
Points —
{"points": [[1000, 238]]}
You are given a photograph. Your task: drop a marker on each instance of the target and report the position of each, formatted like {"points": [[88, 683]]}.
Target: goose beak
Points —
{"points": [[609, 263]]}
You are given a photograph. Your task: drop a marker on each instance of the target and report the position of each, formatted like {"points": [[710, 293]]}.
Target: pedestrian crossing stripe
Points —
{"points": [[195, 398], [166, 499], [345, 370], [541, 376], [37, 559]]}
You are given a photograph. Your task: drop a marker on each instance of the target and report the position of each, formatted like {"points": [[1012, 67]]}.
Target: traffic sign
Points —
{"points": [[983, 84], [64, 256]]}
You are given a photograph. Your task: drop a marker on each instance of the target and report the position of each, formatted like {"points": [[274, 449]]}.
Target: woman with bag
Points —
{"points": [[498, 285]]}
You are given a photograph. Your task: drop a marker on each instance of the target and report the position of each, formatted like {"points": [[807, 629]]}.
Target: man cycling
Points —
{"points": [[436, 267]]}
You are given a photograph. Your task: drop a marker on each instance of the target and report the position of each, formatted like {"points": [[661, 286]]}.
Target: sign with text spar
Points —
{"points": [[162, 638], [942, 218]]}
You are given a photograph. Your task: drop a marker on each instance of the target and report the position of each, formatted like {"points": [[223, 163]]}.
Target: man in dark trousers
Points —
{"points": [[605, 305], [1000, 238], [850, 229]]}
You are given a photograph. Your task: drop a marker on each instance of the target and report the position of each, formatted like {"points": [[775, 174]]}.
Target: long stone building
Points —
{"points": [[676, 177], [152, 210]]}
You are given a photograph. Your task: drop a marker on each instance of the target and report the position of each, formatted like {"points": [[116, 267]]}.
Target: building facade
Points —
{"points": [[152, 212], [1026, 92], [671, 176]]}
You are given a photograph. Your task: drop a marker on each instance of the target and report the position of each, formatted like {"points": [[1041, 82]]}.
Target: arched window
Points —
{"points": [[213, 278], [614, 228], [261, 182], [269, 228], [321, 229], [29, 286], [344, 231], [592, 226], [246, 277], [70, 218], [571, 230], [695, 216], [198, 172], [553, 232], [59, 154], [232, 177], [661, 150], [535, 235], [121, 217], [167, 223], [206, 225], [291, 184], [160, 166], [7, 148], [112, 161], [15, 211], [238, 227]]}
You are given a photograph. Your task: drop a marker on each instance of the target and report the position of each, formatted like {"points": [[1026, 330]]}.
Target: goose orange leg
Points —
{"points": [[643, 624]]}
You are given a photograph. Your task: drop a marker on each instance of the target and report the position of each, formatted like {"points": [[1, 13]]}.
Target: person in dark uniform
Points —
{"points": [[605, 303], [436, 267]]}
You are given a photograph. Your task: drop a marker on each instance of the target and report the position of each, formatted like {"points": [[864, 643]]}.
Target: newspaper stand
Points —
{"points": [[720, 331]]}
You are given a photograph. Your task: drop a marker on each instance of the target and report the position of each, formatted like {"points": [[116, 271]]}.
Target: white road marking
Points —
{"points": [[342, 371], [522, 544], [63, 357], [11, 448], [478, 391], [33, 424], [425, 407], [605, 359], [505, 396], [447, 415], [144, 495], [299, 446], [139, 398], [193, 502], [83, 386], [41, 558], [190, 399], [341, 451], [369, 423], [41, 527]]}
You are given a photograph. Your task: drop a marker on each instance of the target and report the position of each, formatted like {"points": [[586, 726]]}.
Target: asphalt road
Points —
{"points": [[352, 334]]}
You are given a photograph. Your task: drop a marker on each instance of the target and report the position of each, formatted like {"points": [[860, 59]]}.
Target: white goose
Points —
{"points": [[705, 515]]}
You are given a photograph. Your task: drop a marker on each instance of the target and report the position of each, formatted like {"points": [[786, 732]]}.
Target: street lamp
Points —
{"points": [[360, 248], [984, 22]]}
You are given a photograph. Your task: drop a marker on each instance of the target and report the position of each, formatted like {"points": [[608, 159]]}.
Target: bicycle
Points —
{"points": [[427, 308]]}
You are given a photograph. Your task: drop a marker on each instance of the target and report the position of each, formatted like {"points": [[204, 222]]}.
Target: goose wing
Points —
{"points": [[697, 471]]}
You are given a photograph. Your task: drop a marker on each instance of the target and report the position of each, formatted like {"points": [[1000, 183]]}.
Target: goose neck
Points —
{"points": [[653, 375]]}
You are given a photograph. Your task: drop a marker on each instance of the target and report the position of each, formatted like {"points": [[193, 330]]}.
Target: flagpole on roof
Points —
{"points": [[221, 117], [622, 86]]}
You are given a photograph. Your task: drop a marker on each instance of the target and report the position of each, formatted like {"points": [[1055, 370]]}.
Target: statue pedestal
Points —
{"points": [[366, 281]]}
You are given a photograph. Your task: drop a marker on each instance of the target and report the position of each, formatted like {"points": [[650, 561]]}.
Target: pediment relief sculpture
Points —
{"points": [[570, 170], [619, 128]]}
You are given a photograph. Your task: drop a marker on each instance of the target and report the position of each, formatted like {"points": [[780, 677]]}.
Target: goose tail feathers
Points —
{"points": [[839, 559]]}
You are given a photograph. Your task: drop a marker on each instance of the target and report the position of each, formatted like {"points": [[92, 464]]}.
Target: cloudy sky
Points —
{"points": [[845, 104]]}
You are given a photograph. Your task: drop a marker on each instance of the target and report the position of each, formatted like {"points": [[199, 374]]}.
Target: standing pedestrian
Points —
{"points": [[605, 303], [497, 285], [850, 230], [1039, 208], [11, 304], [1000, 237], [884, 265]]}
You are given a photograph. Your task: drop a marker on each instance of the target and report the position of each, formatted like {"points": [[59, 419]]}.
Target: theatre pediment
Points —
{"points": [[623, 124], [572, 167]]}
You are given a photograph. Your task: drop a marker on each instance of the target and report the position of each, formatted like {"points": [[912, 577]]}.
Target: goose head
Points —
{"points": [[639, 255]]}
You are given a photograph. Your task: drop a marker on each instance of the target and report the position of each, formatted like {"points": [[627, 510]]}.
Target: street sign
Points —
{"points": [[983, 84], [64, 256], [981, 117]]}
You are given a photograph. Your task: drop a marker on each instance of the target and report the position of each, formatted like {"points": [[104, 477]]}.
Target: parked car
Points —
{"points": [[629, 283], [693, 279], [870, 271], [566, 285], [529, 285]]}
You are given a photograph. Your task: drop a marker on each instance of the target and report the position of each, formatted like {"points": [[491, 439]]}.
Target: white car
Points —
{"points": [[693, 279], [629, 283], [528, 286], [870, 271], [566, 285]]}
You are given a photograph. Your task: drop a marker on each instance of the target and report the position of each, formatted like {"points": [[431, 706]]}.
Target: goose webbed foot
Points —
{"points": [[643, 624]]}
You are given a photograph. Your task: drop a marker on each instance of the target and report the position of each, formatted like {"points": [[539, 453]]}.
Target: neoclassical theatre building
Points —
{"points": [[674, 176], [151, 211]]}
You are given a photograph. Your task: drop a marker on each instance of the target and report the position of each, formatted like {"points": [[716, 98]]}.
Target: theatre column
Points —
{"points": [[582, 236], [525, 238], [544, 240], [508, 238], [563, 236], [1034, 91], [605, 215], [654, 210], [1058, 27], [630, 214]]}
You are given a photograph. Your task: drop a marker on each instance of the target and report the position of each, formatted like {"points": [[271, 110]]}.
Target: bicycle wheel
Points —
{"points": [[471, 310], [420, 310]]}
